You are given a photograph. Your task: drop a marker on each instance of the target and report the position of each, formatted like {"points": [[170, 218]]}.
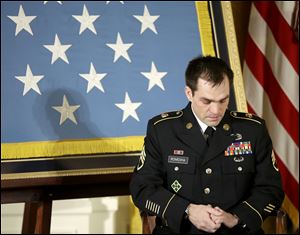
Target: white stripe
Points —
{"points": [[156, 208], [151, 206], [286, 9], [283, 144], [283, 71]]}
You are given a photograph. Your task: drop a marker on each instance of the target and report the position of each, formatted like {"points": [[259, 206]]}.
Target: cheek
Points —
{"points": [[224, 106], [202, 109]]}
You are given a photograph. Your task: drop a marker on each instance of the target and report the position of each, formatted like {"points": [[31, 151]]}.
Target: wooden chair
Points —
{"points": [[148, 223], [280, 220]]}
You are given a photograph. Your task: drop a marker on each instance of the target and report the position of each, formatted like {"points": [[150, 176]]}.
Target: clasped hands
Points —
{"points": [[210, 219]]}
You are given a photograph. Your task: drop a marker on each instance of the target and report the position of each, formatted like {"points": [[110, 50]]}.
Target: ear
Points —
{"points": [[188, 93]]}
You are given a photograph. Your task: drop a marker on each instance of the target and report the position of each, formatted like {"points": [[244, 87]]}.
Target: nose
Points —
{"points": [[215, 108]]}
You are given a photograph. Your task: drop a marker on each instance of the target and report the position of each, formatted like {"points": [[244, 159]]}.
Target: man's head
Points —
{"points": [[208, 80]]}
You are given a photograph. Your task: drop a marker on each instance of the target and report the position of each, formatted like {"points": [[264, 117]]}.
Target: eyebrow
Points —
{"points": [[206, 99]]}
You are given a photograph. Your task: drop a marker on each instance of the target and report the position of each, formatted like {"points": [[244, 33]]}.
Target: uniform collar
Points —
{"points": [[201, 124]]}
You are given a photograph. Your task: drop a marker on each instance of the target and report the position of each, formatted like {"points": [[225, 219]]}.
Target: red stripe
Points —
{"points": [[283, 108], [283, 33], [289, 183], [250, 109]]}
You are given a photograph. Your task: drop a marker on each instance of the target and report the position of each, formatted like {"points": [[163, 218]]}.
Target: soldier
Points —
{"points": [[205, 169]]}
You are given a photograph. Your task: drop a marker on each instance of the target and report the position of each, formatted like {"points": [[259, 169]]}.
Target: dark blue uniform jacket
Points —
{"points": [[237, 172]]}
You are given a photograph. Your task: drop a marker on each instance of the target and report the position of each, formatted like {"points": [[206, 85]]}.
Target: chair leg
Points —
{"points": [[281, 222]]}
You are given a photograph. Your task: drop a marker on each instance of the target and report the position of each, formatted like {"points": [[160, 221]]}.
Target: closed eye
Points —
{"points": [[206, 101]]}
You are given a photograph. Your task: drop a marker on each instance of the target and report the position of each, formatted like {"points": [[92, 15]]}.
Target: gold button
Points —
{"points": [[240, 168], [176, 168], [207, 190], [208, 171], [226, 127], [189, 125]]}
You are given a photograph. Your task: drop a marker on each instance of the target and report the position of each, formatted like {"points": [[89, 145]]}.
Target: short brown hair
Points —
{"points": [[209, 68]]}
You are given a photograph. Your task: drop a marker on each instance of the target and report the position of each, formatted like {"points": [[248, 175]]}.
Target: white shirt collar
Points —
{"points": [[202, 124]]}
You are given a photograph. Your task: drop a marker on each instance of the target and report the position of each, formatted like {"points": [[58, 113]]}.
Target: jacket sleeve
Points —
{"points": [[148, 186], [266, 194]]}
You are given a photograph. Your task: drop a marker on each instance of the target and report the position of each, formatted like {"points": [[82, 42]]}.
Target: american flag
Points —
{"points": [[92, 69], [271, 73]]}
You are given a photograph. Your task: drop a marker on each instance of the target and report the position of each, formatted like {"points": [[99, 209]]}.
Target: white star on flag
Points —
{"points": [[107, 2], [58, 50], [154, 77], [66, 111], [120, 48], [59, 2], [86, 20], [93, 79], [30, 81], [22, 21], [129, 108], [147, 20]]}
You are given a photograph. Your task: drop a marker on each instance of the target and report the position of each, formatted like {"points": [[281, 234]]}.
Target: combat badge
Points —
{"points": [[237, 136], [142, 159]]}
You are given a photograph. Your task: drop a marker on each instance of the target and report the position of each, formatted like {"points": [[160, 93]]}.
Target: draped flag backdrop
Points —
{"points": [[271, 73], [79, 80], [85, 77]]}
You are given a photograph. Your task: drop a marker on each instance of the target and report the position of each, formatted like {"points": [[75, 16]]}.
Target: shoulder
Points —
{"points": [[166, 117], [247, 117]]}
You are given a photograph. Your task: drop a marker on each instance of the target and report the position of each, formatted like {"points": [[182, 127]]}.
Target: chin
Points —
{"points": [[214, 123]]}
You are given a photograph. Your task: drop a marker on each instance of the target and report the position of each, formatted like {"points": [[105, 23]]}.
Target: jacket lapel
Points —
{"points": [[190, 131]]}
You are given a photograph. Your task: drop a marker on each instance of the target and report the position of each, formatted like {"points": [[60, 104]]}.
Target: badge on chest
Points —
{"points": [[238, 148]]}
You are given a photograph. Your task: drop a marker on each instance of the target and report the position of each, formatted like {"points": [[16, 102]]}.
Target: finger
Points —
{"points": [[216, 219], [214, 211], [215, 227], [218, 208]]}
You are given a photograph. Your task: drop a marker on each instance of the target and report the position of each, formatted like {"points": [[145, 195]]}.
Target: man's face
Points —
{"points": [[209, 103]]}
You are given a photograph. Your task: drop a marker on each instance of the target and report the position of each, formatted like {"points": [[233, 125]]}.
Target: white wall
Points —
{"points": [[106, 215]]}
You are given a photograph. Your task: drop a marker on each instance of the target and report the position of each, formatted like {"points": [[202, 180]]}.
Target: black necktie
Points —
{"points": [[208, 134]]}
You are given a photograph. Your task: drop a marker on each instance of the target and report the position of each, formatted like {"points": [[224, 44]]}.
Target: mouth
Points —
{"points": [[213, 119]]}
